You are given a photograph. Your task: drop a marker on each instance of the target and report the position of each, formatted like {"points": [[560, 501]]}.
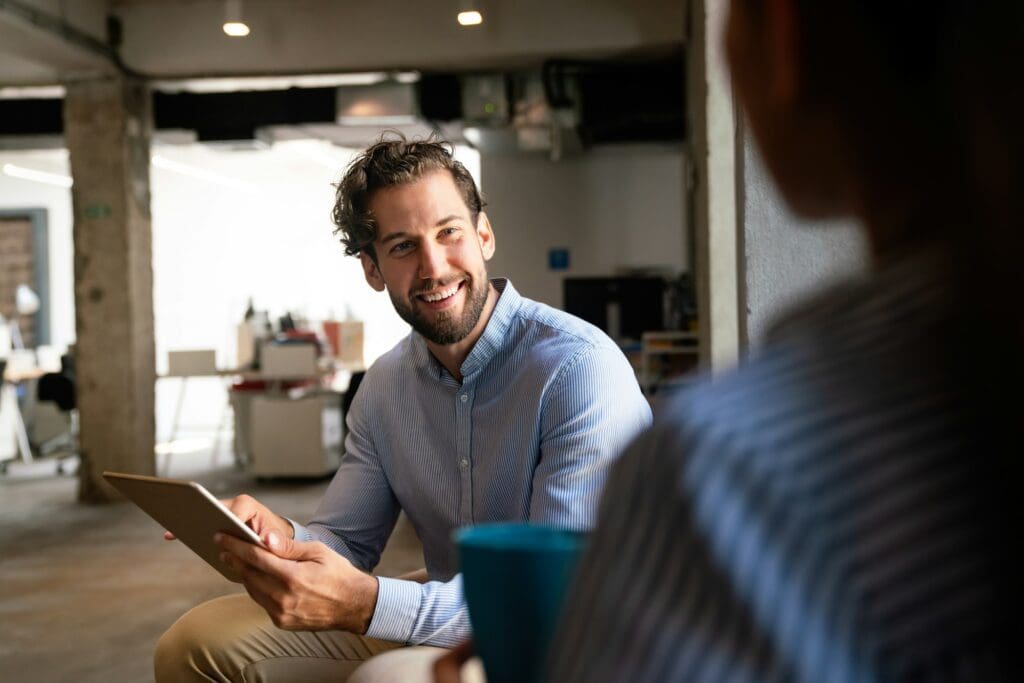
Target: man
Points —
{"points": [[494, 408], [842, 507]]}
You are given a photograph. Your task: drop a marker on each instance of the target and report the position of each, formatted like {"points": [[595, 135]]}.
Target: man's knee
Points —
{"points": [[401, 665], [204, 643]]}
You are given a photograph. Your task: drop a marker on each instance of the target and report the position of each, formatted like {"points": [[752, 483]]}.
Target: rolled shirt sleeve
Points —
{"points": [[433, 613]]}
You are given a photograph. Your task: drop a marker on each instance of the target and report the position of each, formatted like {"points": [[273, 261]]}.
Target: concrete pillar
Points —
{"points": [[713, 134], [785, 259], [754, 258], [107, 125]]}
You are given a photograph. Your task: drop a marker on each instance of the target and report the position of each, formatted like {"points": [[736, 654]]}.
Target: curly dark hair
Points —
{"points": [[392, 161]]}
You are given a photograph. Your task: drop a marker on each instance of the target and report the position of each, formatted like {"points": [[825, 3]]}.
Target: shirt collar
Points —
{"points": [[495, 336]]}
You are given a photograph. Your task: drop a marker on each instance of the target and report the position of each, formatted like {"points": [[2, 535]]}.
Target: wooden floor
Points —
{"points": [[86, 590]]}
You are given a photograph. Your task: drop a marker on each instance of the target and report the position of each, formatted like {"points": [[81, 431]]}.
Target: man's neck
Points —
{"points": [[451, 356]]}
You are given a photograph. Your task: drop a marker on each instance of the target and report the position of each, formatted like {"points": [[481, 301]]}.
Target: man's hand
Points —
{"points": [[302, 586], [256, 515]]}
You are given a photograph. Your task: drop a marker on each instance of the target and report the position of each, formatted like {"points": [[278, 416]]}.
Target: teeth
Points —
{"points": [[443, 294]]}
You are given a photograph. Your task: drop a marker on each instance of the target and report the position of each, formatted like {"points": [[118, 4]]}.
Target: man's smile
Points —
{"points": [[441, 297]]}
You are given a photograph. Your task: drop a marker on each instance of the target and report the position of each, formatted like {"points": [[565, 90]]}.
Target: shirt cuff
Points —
{"points": [[398, 606], [299, 532]]}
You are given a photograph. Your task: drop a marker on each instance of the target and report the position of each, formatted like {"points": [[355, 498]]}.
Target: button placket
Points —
{"points": [[464, 411]]}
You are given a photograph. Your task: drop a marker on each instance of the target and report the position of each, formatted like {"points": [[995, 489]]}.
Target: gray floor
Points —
{"points": [[85, 591]]}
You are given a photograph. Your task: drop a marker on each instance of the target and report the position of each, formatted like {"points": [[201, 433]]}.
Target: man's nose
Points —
{"points": [[432, 262]]}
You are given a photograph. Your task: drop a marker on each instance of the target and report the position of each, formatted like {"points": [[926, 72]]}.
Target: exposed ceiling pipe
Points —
{"points": [[66, 32]]}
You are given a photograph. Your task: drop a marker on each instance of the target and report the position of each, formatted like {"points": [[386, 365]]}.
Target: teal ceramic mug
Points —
{"points": [[515, 577]]}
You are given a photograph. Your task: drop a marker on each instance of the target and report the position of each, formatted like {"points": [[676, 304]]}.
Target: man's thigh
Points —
{"points": [[232, 639]]}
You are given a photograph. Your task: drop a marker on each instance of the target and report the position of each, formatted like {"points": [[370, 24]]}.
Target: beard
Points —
{"points": [[447, 327]]}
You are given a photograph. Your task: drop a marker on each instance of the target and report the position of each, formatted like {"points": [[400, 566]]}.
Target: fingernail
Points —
{"points": [[272, 539], [224, 558], [217, 537]]}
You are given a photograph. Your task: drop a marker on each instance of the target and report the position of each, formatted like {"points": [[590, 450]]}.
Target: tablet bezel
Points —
{"points": [[187, 510]]}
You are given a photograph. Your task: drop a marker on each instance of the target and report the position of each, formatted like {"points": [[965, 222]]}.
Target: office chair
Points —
{"points": [[59, 387]]}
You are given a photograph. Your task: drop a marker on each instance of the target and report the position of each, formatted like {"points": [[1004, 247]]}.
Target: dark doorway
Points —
{"points": [[23, 261]]}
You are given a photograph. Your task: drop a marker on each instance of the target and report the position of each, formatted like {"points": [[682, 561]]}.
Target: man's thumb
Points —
{"points": [[287, 548]]}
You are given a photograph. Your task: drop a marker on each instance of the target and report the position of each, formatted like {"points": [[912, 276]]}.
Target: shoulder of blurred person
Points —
{"points": [[809, 516]]}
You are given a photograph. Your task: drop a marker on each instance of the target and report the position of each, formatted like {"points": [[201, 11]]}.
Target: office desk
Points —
{"points": [[269, 402], [10, 409]]}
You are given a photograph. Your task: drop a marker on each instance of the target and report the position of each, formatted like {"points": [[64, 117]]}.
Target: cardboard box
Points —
{"points": [[192, 363], [288, 360], [245, 353], [346, 340]]}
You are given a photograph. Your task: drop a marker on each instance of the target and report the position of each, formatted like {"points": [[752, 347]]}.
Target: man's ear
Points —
{"points": [[371, 272], [485, 234]]}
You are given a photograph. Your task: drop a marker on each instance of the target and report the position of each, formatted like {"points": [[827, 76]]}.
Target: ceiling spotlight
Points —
{"points": [[470, 18], [233, 24]]}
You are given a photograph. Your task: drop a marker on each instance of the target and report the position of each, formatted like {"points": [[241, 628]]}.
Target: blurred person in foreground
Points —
{"points": [[841, 507]]}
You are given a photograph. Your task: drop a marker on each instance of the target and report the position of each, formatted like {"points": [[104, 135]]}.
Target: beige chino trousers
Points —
{"points": [[232, 639]]}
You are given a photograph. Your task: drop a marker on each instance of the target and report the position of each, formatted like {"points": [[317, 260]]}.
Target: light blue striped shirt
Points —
{"points": [[546, 403], [819, 515]]}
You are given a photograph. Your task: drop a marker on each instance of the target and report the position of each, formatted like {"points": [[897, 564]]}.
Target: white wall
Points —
{"points": [[615, 207]]}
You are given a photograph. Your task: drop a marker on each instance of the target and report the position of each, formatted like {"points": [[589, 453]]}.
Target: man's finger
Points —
{"points": [[168, 536], [290, 549], [256, 587], [247, 552], [264, 560]]}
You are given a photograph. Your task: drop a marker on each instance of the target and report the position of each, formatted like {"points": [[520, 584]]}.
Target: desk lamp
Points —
{"points": [[26, 303]]}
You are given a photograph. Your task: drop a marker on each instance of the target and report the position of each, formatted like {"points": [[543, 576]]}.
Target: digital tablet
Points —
{"points": [[188, 511]]}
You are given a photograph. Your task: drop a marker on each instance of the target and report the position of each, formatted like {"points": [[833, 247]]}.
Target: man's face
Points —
{"points": [[430, 257]]}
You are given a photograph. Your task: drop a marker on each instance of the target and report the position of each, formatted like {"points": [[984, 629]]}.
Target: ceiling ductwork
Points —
{"points": [[561, 109]]}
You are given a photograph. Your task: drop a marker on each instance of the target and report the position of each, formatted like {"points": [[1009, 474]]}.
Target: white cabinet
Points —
{"points": [[294, 437]]}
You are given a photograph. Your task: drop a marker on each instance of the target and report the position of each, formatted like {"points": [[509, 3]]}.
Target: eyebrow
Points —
{"points": [[392, 236], [448, 219]]}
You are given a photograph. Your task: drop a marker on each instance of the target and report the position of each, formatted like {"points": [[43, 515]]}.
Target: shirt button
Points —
{"points": [[463, 463], [464, 398]]}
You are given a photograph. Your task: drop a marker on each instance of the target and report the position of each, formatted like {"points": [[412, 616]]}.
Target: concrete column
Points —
{"points": [[107, 126], [754, 258], [785, 259], [713, 135]]}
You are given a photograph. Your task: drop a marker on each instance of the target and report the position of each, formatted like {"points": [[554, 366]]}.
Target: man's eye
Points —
{"points": [[401, 248], [449, 231]]}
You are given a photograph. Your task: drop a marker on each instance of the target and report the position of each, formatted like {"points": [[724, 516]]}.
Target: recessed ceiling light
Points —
{"points": [[470, 18], [233, 24], [236, 29]]}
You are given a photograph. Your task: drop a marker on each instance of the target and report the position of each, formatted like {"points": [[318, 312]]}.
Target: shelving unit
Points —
{"points": [[664, 355]]}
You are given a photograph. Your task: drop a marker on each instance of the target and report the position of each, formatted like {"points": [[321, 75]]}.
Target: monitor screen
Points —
{"points": [[624, 307]]}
